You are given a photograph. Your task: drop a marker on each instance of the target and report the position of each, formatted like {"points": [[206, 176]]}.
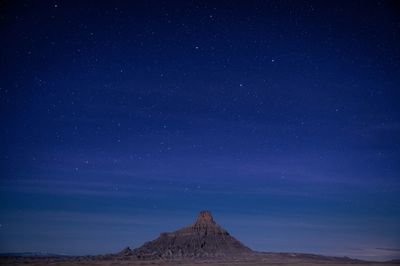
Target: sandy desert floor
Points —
{"points": [[83, 262]]}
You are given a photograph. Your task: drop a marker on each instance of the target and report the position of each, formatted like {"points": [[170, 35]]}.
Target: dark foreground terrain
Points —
{"points": [[267, 260]]}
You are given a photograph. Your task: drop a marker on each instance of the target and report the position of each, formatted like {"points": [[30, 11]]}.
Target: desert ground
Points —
{"points": [[243, 262]]}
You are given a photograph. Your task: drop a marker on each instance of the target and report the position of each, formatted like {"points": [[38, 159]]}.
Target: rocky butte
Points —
{"points": [[202, 243], [206, 241], [203, 239]]}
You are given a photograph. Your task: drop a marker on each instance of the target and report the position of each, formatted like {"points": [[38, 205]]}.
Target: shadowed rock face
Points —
{"points": [[203, 239]]}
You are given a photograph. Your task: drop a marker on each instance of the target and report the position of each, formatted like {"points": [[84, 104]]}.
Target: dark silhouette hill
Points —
{"points": [[203, 239]]}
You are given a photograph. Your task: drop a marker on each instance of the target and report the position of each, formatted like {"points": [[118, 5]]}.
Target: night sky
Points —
{"points": [[123, 119]]}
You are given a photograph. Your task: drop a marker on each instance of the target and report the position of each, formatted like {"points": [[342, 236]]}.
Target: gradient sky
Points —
{"points": [[123, 119]]}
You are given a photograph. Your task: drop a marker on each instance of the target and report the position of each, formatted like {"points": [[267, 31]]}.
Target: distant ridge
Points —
{"points": [[203, 239], [31, 254]]}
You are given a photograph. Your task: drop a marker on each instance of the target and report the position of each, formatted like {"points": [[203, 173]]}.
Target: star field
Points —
{"points": [[123, 119]]}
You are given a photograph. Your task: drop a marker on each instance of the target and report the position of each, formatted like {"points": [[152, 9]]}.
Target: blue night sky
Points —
{"points": [[123, 119]]}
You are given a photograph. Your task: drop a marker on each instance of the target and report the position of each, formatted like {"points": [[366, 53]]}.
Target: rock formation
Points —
{"points": [[203, 239]]}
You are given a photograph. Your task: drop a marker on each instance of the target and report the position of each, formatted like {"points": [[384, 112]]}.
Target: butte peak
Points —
{"points": [[205, 239], [205, 217]]}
